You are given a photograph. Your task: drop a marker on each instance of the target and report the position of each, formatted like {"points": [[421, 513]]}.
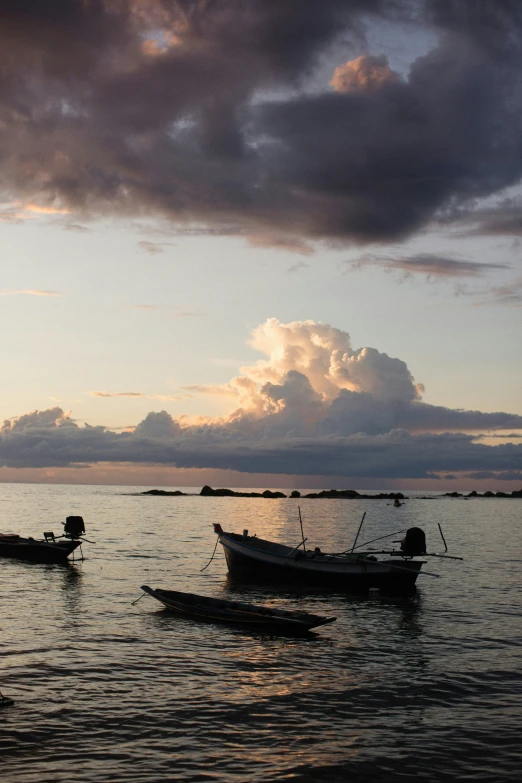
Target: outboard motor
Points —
{"points": [[74, 527], [414, 542]]}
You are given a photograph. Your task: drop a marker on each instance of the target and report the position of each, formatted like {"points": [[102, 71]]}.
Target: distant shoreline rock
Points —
{"points": [[350, 494], [342, 494], [162, 492], [515, 494], [225, 493]]}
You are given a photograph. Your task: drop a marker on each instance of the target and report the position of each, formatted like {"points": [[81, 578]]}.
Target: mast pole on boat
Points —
{"points": [[303, 539], [357, 536], [442, 536]]}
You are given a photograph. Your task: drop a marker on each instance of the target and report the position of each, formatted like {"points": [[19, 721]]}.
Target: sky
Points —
{"points": [[261, 244]]}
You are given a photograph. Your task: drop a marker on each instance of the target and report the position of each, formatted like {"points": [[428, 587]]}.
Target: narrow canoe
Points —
{"points": [[221, 610]]}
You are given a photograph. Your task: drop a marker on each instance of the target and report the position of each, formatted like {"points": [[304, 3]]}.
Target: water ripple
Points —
{"points": [[425, 687]]}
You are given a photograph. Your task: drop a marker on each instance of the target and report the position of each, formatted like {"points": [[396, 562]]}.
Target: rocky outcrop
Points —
{"points": [[517, 493], [230, 493], [352, 494], [347, 494], [161, 492]]}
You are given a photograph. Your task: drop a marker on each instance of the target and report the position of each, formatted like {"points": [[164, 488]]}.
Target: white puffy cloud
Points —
{"points": [[325, 355], [50, 418]]}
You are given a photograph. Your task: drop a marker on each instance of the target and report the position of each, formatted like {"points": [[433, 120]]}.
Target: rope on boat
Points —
{"points": [[373, 540], [211, 559]]}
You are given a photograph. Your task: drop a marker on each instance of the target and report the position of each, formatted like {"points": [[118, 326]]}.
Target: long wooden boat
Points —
{"points": [[36, 551], [257, 559], [236, 612]]}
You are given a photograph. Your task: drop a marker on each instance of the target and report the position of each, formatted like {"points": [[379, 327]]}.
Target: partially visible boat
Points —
{"points": [[5, 701], [236, 612], [50, 549]]}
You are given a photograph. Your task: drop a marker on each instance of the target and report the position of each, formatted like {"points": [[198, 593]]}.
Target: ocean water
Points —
{"points": [[424, 687]]}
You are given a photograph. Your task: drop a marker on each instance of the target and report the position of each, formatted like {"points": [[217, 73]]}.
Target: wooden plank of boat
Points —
{"points": [[208, 608]]}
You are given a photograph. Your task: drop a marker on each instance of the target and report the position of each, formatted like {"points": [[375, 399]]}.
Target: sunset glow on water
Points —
{"points": [[426, 685]]}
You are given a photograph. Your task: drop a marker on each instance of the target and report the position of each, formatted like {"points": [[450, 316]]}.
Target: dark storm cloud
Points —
{"points": [[493, 26], [60, 38], [49, 439], [201, 112], [503, 219], [487, 474], [352, 412]]}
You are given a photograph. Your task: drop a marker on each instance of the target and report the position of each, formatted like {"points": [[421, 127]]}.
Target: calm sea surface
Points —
{"points": [[426, 687]]}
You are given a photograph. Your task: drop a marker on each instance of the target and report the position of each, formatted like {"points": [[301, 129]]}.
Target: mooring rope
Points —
{"points": [[211, 559]]}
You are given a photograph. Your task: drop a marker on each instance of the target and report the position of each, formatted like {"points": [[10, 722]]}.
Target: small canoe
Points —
{"points": [[221, 610]]}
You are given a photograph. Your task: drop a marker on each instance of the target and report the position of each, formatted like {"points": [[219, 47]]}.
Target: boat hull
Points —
{"points": [[246, 562], [38, 551], [235, 612]]}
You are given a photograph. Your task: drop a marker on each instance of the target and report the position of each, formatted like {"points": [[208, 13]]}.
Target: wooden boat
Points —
{"points": [[236, 612], [257, 559], [50, 549], [35, 551]]}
